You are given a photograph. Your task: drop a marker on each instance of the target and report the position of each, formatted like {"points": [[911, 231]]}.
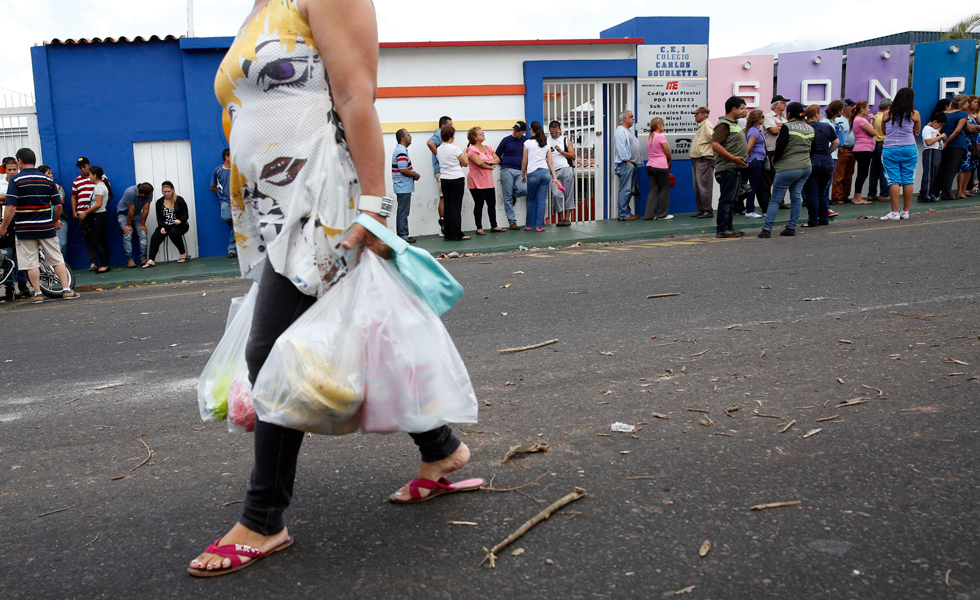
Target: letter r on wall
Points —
{"points": [[951, 85]]}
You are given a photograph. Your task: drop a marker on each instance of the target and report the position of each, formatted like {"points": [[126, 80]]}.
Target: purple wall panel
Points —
{"points": [[796, 67], [865, 64]]}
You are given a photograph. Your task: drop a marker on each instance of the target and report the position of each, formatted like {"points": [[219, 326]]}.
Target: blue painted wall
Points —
{"points": [[934, 61]]}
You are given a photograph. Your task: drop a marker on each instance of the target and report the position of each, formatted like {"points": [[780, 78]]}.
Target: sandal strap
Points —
{"points": [[233, 552], [428, 484]]}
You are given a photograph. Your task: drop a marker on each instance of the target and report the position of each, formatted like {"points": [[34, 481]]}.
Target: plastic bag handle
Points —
{"points": [[381, 232]]}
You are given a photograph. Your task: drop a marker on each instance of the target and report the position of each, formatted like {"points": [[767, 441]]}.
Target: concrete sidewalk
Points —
{"points": [[610, 230]]}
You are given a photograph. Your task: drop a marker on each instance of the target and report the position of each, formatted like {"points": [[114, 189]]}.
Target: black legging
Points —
{"points": [[174, 232], [96, 238], [270, 490], [863, 165], [452, 191], [483, 196], [949, 166]]}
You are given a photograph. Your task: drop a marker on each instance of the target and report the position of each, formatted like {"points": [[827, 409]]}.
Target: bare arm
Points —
{"points": [[570, 155], [551, 167], [346, 34], [74, 205], [480, 162], [524, 167], [8, 217], [916, 123], [666, 148], [463, 160], [868, 129], [959, 128], [146, 213], [751, 143], [432, 147]]}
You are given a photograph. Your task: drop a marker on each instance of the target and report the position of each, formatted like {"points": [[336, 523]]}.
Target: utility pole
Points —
{"points": [[190, 18]]}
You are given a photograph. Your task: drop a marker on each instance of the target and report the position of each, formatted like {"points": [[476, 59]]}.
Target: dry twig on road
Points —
{"points": [[531, 347], [775, 505], [541, 516], [149, 455]]}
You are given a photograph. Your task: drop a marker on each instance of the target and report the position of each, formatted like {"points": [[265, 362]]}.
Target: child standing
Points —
{"points": [[931, 155]]}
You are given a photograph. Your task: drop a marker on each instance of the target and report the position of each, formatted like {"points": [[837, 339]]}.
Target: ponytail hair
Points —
{"points": [[100, 174], [538, 134]]}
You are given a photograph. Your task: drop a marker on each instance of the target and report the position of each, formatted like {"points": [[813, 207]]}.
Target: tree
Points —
{"points": [[962, 29]]}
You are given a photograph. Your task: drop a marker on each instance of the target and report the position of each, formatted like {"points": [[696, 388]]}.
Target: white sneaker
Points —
{"points": [[753, 215], [905, 214], [667, 218], [892, 216]]}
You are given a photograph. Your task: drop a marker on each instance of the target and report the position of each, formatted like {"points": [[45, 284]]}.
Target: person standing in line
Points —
{"points": [[219, 187], [956, 129], [864, 147], [93, 219], [900, 154], [61, 226], [703, 163], [879, 185], [563, 159], [831, 114], [81, 198], [817, 186], [624, 168], [792, 169], [538, 171], [433, 144], [510, 150], [32, 206], [772, 123], [403, 179], [452, 159], [131, 213], [19, 277], [840, 190], [658, 171], [969, 165], [172, 221], [482, 160], [731, 156], [932, 141], [756, 143]]}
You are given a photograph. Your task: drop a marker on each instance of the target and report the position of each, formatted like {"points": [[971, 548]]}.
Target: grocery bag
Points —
{"points": [[223, 389], [369, 355]]}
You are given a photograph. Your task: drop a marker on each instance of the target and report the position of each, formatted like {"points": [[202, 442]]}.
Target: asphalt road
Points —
{"points": [[787, 327]]}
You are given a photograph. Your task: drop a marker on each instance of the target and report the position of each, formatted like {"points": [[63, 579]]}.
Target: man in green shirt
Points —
{"points": [[731, 153]]}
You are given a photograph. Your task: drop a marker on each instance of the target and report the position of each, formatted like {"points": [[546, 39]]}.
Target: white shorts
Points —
{"points": [[439, 183], [27, 253]]}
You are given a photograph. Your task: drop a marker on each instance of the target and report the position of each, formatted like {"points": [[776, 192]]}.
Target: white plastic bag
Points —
{"points": [[368, 355], [224, 390]]}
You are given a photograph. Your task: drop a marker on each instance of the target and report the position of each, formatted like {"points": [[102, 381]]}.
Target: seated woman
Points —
{"points": [[172, 223]]}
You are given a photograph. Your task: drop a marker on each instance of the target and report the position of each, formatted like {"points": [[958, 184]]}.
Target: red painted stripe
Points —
{"points": [[580, 42], [444, 91]]}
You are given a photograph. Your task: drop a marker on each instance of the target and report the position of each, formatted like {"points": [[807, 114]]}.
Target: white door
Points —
{"points": [[157, 162], [588, 111]]}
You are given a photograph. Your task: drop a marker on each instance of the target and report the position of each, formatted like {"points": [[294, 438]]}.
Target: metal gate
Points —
{"points": [[18, 124], [588, 111]]}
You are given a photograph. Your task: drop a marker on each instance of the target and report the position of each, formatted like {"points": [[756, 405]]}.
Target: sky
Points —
{"points": [[30, 22]]}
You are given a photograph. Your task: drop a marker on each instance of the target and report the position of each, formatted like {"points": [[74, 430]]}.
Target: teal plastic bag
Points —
{"points": [[423, 273]]}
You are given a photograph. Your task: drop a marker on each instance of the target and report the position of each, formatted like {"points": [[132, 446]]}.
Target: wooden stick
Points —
{"points": [[232, 502], [851, 402], [54, 511], [775, 505], [812, 432], [828, 418], [531, 347], [491, 556], [663, 295], [766, 416], [520, 487], [788, 425], [645, 477], [96, 538], [149, 455], [73, 400]]}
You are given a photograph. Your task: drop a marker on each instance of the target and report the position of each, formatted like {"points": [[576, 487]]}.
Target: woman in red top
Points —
{"points": [[480, 179]]}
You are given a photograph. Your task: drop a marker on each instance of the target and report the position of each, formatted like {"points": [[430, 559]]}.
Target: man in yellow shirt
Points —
{"points": [[877, 169], [703, 163]]}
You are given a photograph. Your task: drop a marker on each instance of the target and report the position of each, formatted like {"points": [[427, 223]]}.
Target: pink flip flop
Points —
{"points": [[443, 486], [233, 552]]}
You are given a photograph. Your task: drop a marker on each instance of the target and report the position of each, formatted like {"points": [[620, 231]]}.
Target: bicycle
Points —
{"points": [[50, 283]]}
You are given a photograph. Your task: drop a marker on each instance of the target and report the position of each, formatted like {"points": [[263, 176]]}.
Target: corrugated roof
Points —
{"points": [[109, 40], [906, 37]]}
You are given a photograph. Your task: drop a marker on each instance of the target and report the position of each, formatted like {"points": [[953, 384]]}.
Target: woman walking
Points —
{"points": [[899, 154], [452, 159], [658, 171], [538, 172], [816, 192], [757, 160], [172, 222], [94, 218], [329, 136], [480, 179], [792, 169], [864, 147]]}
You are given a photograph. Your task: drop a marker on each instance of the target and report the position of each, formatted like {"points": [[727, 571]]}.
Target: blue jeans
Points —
{"points": [[815, 191], [787, 180], [404, 207], [728, 181], [755, 179], [226, 217], [626, 173], [510, 181], [127, 238], [879, 185], [537, 196]]}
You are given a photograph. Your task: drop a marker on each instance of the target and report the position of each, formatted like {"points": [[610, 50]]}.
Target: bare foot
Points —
{"points": [[434, 471], [239, 534]]}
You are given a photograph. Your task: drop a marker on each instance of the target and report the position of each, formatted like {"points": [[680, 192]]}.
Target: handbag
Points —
{"points": [[423, 273], [671, 180]]}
